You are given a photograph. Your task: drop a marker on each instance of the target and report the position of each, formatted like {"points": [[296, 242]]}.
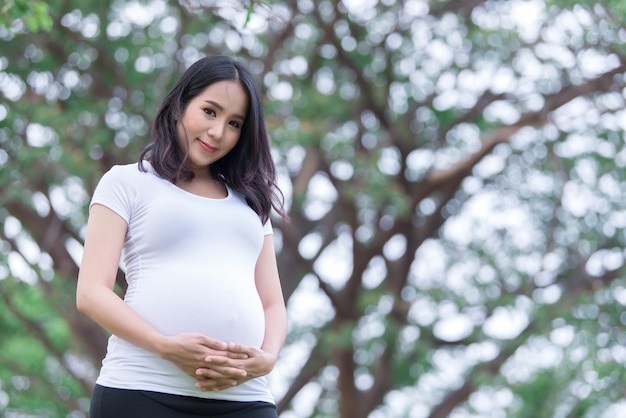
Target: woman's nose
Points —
{"points": [[216, 130]]}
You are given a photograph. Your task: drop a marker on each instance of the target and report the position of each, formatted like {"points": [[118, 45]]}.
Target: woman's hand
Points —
{"points": [[189, 351], [223, 371]]}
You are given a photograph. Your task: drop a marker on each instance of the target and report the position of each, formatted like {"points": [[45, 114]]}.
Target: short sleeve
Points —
{"points": [[116, 191], [267, 228]]}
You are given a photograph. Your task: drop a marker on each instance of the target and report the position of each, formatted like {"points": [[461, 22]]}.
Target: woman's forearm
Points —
{"points": [[275, 329], [107, 309]]}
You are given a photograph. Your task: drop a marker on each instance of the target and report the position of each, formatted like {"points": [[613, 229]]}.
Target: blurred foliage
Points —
{"points": [[455, 173], [32, 13]]}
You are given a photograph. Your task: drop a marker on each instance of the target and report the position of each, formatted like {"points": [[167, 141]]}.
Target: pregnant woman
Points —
{"points": [[203, 318]]}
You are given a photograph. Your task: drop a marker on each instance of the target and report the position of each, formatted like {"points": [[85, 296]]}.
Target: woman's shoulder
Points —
{"points": [[130, 170], [127, 177]]}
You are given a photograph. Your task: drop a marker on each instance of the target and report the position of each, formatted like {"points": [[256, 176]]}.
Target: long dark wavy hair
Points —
{"points": [[248, 168]]}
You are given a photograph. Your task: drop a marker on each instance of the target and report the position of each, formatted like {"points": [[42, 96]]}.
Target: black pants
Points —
{"points": [[122, 403]]}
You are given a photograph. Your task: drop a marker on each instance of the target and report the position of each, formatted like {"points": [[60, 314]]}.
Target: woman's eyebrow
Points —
{"points": [[211, 102]]}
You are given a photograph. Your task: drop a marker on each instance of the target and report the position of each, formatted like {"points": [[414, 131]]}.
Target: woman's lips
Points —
{"points": [[206, 146]]}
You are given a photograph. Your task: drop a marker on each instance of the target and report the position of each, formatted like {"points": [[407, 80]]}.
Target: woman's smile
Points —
{"points": [[206, 146]]}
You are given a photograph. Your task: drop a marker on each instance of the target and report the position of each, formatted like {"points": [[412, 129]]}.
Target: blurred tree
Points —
{"points": [[456, 177]]}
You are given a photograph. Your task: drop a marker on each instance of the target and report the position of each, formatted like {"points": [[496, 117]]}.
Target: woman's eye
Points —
{"points": [[235, 124], [209, 112]]}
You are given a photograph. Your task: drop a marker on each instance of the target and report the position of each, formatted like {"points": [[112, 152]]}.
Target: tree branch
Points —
{"points": [[308, 372]]}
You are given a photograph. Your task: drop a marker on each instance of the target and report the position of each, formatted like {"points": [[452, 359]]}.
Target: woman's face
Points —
{"points": [[213, 121]]}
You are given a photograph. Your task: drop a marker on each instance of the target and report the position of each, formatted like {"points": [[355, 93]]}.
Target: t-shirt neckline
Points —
{"points": [[229, 192]]}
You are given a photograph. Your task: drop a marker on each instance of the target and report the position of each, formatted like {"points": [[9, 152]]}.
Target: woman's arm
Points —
{"points": [[271, 293], [95, 298]]}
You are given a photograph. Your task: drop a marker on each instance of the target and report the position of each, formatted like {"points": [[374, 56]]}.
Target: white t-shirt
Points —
{"points": [[189, 263]]}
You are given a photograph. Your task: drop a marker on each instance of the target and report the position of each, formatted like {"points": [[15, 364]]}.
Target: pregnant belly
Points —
{"points": [[227, 310]]}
